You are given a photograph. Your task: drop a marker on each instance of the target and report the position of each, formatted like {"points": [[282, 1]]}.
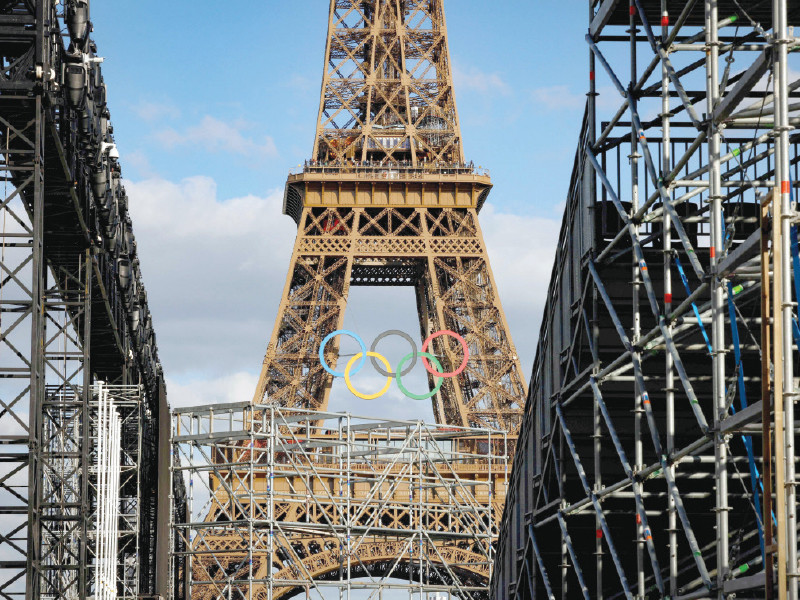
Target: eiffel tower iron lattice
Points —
{"points": [[386, 200]]}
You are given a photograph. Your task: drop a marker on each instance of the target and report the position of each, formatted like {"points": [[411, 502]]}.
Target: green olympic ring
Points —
{"points": [[419, 396]]}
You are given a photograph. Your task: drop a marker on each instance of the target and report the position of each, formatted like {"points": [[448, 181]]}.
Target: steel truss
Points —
{"points": [[125, 465], [387, 89], [441, 253], [72, 312], [74, 482], [283, 502], [659, 435]]}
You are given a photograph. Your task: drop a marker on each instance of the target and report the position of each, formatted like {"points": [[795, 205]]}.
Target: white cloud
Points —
{"points": [[557, 97], [215, 269], [237, 387], [521, 250], [473, 79], [156, 111], [214, 135]]}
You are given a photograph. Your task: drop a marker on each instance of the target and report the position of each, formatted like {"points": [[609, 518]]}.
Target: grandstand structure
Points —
{"points": [[657, 453]]}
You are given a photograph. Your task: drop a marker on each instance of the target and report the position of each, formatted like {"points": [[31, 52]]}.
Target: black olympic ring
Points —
{"points": [[406, 337]]}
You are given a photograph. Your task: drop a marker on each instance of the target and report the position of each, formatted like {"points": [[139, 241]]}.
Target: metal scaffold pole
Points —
{"points": [[782, 215], [669, 375], [719, 348]]}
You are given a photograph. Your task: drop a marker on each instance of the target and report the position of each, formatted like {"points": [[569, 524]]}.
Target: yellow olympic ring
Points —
{"points": [[350, 384]]}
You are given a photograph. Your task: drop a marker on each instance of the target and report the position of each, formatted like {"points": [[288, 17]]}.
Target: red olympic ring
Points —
{"points": [[452, 334]]}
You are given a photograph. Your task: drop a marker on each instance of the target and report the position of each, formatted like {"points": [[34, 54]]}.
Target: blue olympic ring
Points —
{"points": [[328, 338]]}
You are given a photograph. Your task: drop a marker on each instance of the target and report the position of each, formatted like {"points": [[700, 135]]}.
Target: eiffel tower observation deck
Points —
{"points": [[288, 496]]}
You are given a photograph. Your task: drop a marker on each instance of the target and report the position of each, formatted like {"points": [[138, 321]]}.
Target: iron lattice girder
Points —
{"points": [[386, 200], [387, 84], [650, 339], [455, 290], [386, 272]]}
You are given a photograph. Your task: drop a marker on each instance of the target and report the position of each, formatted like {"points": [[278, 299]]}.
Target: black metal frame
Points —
{"points": [[70, 278]]}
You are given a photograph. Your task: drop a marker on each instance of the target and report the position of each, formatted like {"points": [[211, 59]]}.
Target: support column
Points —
{"points": [[717, 293], [636, 327], [782, 226], [669, 374], [37, 375], [592, 200], [766, 396]]}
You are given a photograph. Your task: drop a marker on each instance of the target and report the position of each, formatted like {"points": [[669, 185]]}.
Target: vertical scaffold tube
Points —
{"points": [[717, 293], [636, 327], [784, 486], [778, 395], [669, 376], [766, 395], [591, 136]]}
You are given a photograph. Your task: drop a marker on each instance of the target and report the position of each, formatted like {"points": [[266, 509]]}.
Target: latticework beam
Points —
{"points": [[387, 91]]}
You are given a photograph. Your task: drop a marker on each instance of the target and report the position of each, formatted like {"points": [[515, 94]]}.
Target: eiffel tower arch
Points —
{"points": [[440, 251], [299, 498]]}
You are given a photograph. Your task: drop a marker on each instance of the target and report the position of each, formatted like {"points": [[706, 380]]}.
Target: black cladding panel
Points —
{"points": [[759, 11]]}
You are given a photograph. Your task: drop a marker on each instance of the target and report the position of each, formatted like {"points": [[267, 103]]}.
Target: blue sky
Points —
{"points": [[257, 66], [213, 103]]}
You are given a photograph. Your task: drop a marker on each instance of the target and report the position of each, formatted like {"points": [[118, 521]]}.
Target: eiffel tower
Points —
{"points": [[387, 199]]}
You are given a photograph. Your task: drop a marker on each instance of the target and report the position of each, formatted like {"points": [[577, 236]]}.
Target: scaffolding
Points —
{"points": [[117, 416], [283, 502], [93, 477], [659, 432]]}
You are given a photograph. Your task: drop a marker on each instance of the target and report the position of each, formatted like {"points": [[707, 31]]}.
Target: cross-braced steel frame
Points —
{"points": [[657, 457], [288, 501], [72, 312], [387, 92], [126, 401]]}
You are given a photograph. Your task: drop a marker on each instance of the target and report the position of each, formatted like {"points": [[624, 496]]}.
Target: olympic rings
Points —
{"points": [[361, 357], [329, 337], [350, 385], [418, 396], [452, 334], [403, 335]]}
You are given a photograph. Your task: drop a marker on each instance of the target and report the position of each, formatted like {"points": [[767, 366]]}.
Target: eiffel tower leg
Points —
{"points": [[312, 306], [460, 296], [448, 404]]}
